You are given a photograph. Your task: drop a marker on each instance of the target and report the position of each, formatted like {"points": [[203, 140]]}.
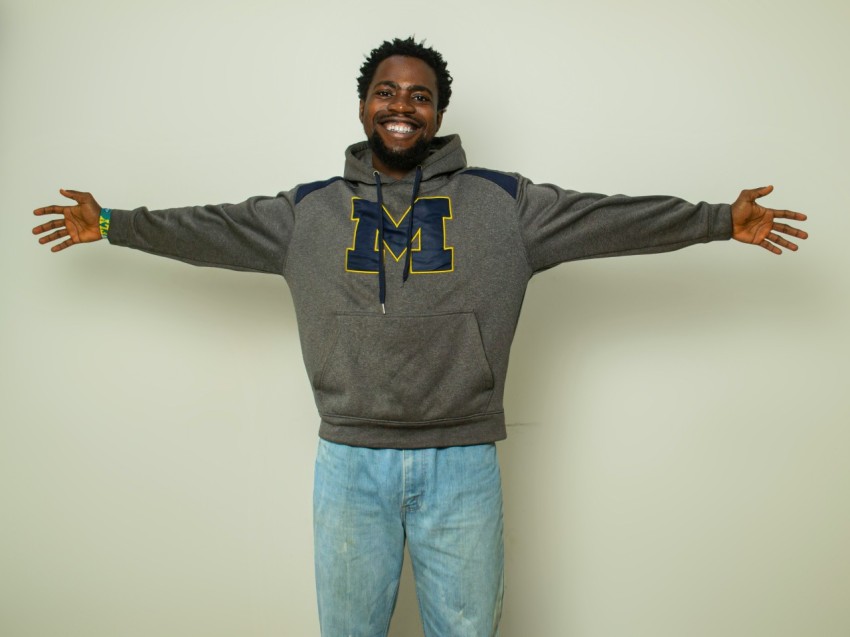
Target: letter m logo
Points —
{"points": [[429, 254]]}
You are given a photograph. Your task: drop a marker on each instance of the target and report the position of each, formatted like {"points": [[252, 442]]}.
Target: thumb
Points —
{"points": [[755, 193], [79, 197]]}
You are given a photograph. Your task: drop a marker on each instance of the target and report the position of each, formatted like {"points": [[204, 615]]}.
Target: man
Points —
{"points": [[408, 276]]}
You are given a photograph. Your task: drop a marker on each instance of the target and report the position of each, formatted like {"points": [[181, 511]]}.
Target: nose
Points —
{"points": [[401, 103]]}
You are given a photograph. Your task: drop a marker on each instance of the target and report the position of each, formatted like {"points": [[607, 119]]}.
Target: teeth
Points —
{"points": [[399, 128]]}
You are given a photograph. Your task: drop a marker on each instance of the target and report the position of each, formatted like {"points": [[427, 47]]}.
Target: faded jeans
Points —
{"points": [[445, 503]]}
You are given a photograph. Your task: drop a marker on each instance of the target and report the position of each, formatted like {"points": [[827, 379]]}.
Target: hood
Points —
{"points": [[446, 156]]}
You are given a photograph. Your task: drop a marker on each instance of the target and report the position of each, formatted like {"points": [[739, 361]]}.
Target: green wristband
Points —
{"points": [[105, 215]]}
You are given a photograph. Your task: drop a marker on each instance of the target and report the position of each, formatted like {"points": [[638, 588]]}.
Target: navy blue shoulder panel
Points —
{"points": [[508, 183], [306, 189]]}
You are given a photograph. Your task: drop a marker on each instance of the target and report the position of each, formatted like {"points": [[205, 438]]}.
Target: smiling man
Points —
{"points": [[401, 113], [408, 275]]}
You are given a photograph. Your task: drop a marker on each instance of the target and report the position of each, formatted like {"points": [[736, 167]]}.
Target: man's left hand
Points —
{"points": [[752, 223]]}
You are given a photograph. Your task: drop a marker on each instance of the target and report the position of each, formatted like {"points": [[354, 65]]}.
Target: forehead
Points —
{"points": [[405, 71]]}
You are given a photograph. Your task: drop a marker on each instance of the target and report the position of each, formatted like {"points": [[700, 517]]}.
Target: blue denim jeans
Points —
{"points": [[445, 503]]}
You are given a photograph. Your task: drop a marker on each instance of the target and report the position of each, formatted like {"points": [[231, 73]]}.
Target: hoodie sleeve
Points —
{"points": [[560, 225], [253, 235]]}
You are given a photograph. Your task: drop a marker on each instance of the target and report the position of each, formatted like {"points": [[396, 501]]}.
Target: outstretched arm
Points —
{"points": [[79, 223], [752, 223]]}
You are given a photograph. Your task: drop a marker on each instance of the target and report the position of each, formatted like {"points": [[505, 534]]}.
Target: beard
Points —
{"points": [[405, 160]]}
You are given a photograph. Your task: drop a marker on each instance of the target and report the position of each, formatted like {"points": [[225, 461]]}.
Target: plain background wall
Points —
{"points": [[677, 456]]}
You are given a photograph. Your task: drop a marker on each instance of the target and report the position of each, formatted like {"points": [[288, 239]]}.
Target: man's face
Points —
{"points": [[399, 114]]}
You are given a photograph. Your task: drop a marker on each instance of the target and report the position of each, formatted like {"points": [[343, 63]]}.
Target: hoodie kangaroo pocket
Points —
{"points": [[411, 369]]}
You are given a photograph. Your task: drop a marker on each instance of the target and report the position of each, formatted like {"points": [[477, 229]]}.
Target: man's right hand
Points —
{"points": [[79, 223]]}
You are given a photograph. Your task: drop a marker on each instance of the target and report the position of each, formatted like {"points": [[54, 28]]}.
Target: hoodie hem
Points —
{"points": [[471, 430]]}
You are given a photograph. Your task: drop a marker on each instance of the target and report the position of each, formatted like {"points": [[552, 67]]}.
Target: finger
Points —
{"points": [[62, 246], [767, 245], [54, 236], [781, 241], [50, 225], [790, 230], [755, 193], [789, 214], [76, 195], [50, 210]]}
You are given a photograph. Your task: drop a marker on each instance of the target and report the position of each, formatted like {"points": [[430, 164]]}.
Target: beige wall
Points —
{"points": [[677, 460]]}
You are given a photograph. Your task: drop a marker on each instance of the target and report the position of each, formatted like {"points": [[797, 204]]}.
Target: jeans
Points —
{"points": [[445, 503]]}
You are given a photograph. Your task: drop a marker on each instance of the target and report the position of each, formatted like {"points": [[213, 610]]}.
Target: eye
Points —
{"points": [[421, 98], [383, 93]]}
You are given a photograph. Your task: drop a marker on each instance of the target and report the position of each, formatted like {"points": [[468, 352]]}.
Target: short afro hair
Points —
{"points": [[413, 49]]}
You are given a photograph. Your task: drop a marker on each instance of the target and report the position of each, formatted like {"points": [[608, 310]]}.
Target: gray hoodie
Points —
{"points": [[427, 367]]}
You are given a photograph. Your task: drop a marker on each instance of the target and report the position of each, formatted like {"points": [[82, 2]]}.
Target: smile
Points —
{"points": [[400, 128]]}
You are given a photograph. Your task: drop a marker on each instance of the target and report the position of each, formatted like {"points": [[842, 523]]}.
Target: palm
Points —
{"points": [[79, 224], [755, 224]]}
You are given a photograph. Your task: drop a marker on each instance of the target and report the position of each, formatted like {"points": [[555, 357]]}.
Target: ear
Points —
{"points": [[362, 110]]}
